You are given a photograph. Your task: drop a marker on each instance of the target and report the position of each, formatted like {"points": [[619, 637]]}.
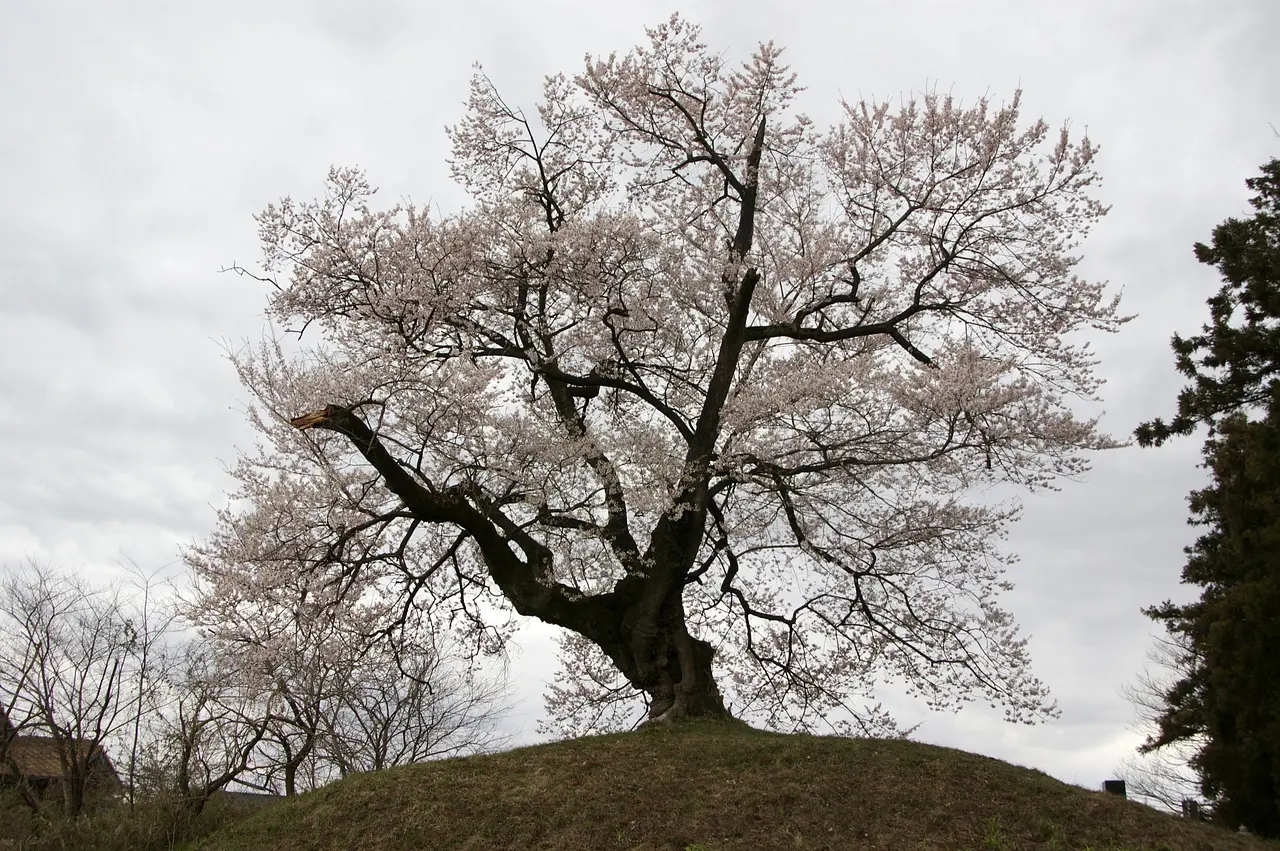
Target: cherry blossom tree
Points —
{"points": [[700, 384]]}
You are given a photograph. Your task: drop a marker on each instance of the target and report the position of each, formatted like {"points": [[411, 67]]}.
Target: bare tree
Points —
{"points": [[404, 707], [1162, 777], [151, 615], [208, 730], [19, 669], [336, 693], [688, 371], [75, 657]]}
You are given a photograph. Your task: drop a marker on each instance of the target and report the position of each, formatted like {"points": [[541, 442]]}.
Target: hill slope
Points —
{"points": [[715, 786]]}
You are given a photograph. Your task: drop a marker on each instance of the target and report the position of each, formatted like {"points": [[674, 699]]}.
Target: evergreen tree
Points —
{"points": [[1247, 253], [1231, 695]]}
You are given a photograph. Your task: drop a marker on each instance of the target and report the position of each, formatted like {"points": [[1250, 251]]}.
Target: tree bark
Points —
{"points": [[663, 660], [687, 687], [73, 795]]}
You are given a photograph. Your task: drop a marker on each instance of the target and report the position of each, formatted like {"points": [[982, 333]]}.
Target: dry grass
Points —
{"points": [[156, 824], [715, 786]]}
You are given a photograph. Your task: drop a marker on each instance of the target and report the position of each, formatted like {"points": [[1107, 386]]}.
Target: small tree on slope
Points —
{"points": [[691, 380]]}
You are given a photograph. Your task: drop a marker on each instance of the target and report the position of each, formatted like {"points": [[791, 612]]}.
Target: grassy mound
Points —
{"points": [[715, 786]]}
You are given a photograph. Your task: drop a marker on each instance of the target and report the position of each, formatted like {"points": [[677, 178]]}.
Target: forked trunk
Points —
{"points": [[672, 667], [689, 688]]}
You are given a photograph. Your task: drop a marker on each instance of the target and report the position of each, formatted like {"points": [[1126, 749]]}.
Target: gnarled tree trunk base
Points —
{"points": [[687, 689]]}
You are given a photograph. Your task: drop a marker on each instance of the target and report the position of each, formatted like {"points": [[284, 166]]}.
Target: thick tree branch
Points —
{"points": [[529, 585], [551, 371], [889, 328]]}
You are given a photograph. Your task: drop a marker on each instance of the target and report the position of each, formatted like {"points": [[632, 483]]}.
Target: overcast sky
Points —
{"points": [[137, 139]]}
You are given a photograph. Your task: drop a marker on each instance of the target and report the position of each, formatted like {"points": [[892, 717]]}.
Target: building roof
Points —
{"points": [[37, 758]]}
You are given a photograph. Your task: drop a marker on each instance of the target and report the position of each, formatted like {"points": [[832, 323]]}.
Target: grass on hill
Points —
{"points": [[716, 786]]}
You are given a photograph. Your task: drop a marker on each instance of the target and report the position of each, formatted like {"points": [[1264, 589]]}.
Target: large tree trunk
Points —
{"points": [[688, 687], [669, 664], [640, 625]]}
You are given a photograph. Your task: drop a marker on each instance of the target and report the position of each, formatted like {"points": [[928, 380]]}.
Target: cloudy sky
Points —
{"points": [[137, 139]]}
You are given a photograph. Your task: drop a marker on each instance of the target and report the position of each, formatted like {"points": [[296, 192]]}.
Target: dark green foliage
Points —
{"points": [[1247, 253], [1231, 695]]}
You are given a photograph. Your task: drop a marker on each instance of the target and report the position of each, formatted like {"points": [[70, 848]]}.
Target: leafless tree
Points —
{"points": [[1162, 777], [337, 693], [206, 733], [405, 707], [19, 663], [151, 614], [72, 657]]}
